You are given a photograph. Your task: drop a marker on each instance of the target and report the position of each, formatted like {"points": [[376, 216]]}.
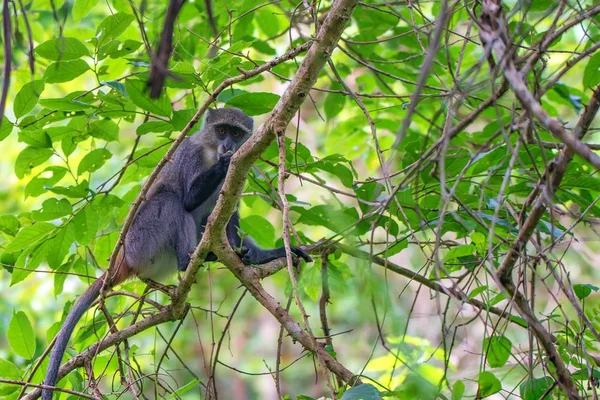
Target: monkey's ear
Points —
{"points": [[210, 115]]}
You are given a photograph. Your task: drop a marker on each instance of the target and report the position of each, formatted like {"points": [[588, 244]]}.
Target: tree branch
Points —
{"points": [[495, 36], [494, 33], [214, 238]]}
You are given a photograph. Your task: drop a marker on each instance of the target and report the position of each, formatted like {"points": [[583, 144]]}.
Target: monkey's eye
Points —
{"points": [[236, 133], [221, 131]]}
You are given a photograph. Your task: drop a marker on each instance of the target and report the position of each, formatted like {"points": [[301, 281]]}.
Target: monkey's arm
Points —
{"points": [[250, 252], [205, 183]]}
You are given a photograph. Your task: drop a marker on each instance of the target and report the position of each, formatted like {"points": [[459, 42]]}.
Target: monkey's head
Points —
{"points": [[226, 129]]}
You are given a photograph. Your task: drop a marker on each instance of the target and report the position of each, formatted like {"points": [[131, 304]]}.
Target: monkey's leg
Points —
{"points": [[151, 242], [186, 240], [205, 183]]}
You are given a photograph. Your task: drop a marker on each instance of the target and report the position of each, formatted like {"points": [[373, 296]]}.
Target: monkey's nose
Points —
{"points": [[223, 149]]}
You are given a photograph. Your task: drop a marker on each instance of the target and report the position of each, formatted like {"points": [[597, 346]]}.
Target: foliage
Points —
{"points": [[414, 179]]}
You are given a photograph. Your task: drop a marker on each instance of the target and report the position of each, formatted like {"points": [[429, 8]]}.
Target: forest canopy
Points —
{"points": [[437, 160]]}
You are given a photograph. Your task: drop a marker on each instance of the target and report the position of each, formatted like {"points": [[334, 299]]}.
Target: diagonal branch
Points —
{"points": [[214, 238], [177, 310], [494, 33], [167, 157]]}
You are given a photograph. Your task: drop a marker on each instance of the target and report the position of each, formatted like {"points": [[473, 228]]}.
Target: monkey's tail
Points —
{"points": [[80, 307]]}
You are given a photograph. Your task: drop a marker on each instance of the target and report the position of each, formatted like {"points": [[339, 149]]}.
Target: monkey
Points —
{"points": [[170, 223]]}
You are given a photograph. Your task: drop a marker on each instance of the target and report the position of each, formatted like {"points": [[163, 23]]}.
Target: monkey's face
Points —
{"points": [[229, 138]]}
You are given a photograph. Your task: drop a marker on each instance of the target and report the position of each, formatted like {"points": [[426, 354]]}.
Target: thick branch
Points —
{"points": [[214, 236], [176, 310], [213, 96]]}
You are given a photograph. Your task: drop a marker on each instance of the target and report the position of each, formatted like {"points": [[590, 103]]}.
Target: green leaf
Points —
{"points": [[337, 169], [584, 374], [6, 128], [113, 26], [369, 191], [65, 71], [269, 22], [93, 161], [334, 103], [29, 235], [9, 370], [259, 229], [78, 191], [27, 97], [86, 222], [254, 103], [229, 93], [460, 251], [118, 86], [534, 389], [103, 247], [326, 216], [122, 49], [584, 290], [30, 158], [61, 275], [105, 129], [416, 386], [62, 49], [366, 391], [565, 93], [58, 246], [28, 261], [138, 93], [478, 290], [185, 388], [9, 224], [182, 117], [35, 138], [480, 242], [44, 180], [540, 5], [154, 126], [458, 390], [488, 384], [20, 335], [497, 349], [396, 248], [591, 74], [65, 104], [52, 209], [81, 8]]}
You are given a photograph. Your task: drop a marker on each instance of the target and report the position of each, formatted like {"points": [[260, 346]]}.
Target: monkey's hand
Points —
{"points": [[301, 253], [225, 158], [254, 256]]}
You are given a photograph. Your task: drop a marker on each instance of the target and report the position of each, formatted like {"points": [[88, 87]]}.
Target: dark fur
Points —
{"points": [[169, 224]]}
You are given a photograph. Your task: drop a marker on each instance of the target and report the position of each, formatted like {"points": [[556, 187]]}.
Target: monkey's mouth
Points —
{"points": [[222, 150]]}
